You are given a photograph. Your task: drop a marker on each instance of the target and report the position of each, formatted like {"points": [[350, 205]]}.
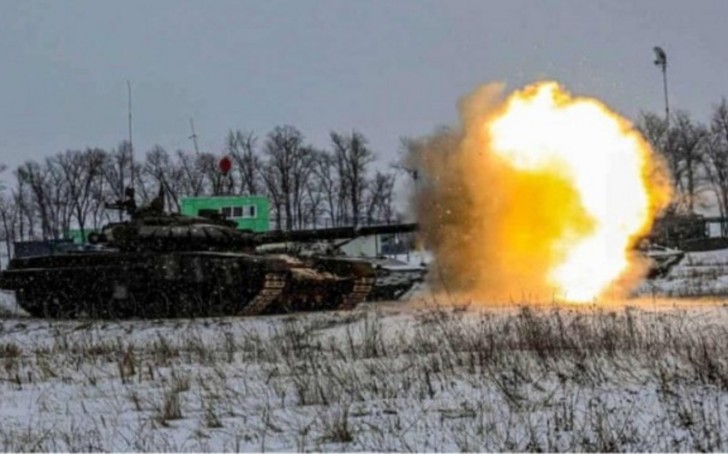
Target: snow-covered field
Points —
{"points": [[649, 374], [699, 274]]}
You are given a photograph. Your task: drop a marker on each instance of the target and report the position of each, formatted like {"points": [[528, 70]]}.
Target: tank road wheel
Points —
{"points": [[58, 305], [95, 300], [218, 301], [101, 303], [108, 307], [160, 302], [67, 304], [167, 301], [183, 302], [194, 300], [144, 305], [307, 298], [30, 302]]}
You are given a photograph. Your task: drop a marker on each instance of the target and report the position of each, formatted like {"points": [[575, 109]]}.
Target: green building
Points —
{"points": [[249, 212], [76, 237]]}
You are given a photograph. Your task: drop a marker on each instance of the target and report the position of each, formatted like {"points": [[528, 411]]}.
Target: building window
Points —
{"points": [[239, 212], [249, 211]]}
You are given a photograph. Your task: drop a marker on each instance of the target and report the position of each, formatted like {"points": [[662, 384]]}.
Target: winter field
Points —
{"points": [[647, 374]]}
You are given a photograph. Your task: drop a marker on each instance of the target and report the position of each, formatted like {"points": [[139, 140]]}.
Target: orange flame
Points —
{"points": [[558, 188]]}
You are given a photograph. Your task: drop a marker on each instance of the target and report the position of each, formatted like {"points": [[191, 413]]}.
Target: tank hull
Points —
{"points": [[113, 284], [395, 279]]}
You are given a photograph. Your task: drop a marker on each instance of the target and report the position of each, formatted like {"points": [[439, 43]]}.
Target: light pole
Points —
{"points": [[661, 61]]}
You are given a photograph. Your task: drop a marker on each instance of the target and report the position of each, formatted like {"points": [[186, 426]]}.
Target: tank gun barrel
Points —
{"points": [[334, 233]]}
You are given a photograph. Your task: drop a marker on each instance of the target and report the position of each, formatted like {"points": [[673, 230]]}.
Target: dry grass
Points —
{"points": [[524, 379]]}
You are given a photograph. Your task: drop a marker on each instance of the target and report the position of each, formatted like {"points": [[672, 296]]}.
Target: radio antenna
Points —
{"points": [[194, 136], [131, 146]]}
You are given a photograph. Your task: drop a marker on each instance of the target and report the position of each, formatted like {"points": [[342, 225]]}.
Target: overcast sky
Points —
{"points": [[386, 68]]}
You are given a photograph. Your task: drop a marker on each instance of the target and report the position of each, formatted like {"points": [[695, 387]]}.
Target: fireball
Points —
{"points": [[559, 187]]}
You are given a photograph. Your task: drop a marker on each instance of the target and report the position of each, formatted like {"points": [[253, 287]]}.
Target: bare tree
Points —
{"points": [[288, 165], [97, 209], [80, 171], [115, 169], [241, 146], [315, 199], [689, 144], [343, 200], [655, 129], [191, 178], [271, 180], [683, 147], [213, 180], [164, 172], [380, 204], [22, 200], [716, 154], [327, 185], [35, 178], [302, 183], [8, 216], [61, 212], [301, 179], [352, 151]]}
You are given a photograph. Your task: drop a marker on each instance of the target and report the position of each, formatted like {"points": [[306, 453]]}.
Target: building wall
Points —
{"points": [[365, 246], [75, 235], [378, 245], [191, 206]]}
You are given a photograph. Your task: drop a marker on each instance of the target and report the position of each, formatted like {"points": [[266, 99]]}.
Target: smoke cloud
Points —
{"points": [[496, 230]]}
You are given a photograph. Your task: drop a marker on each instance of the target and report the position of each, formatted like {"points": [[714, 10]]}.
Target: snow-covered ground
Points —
{"points": [[644, 374], [699, 274], [387, 377]]}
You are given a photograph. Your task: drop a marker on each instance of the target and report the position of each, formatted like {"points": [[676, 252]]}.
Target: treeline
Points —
{"points": [[307, 186], [696, 154]]}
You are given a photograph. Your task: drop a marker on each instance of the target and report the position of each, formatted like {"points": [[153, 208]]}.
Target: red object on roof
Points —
{"points": [[225, 165]]}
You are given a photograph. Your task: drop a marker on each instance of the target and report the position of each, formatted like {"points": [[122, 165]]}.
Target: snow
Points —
{"points": [[415, 258], [699, 274], [644, 374], [388, 377], [9, 307]]}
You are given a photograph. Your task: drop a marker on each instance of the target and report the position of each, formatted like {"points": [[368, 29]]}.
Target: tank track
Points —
{"points": [[273, 286], [333, 294], [271, 299], [360, 290]]}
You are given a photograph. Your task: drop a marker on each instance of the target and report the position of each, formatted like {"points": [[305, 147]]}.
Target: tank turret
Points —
{"points": [[151, 228]]}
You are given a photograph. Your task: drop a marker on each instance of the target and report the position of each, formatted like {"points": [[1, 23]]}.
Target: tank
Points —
{"points": [[661, 259], [679, 230], [158, 265], [394, 279]]}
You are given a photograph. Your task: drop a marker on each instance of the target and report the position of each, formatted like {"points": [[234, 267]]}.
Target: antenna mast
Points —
{"points": [[194, 136], [131, 146]]}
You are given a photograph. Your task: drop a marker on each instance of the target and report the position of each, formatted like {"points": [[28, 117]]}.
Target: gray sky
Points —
{"points": [[386, 68]]}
